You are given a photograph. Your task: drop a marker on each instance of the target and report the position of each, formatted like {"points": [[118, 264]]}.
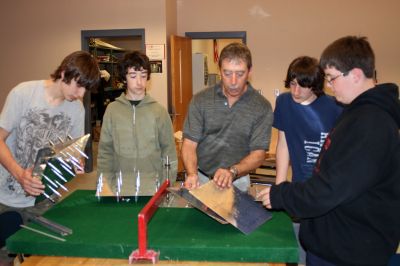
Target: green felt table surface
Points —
{"points": [[108, 229]]}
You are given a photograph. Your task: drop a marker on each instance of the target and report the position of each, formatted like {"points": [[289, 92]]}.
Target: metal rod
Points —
{"points": [[74, 161], [42, 233], [79, 150], [66, 169], [48, 197], [54, 191], [49, 180], [58, 183], [54, 167], [51, 225], [64, 162], [72, 158], [59, 175]]}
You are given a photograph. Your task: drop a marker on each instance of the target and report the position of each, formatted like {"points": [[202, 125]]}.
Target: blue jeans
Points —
{"points": [[302, 253], [313, 260]]}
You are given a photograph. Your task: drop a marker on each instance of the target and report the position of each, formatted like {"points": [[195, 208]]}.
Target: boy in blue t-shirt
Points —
{"points": [[303, 118]]}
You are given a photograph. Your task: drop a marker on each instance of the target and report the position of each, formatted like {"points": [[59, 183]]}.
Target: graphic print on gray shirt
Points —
{"points": [[32, 122]]}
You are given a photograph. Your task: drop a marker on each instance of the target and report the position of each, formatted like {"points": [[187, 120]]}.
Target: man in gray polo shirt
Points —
{"points": [[228, 127]]}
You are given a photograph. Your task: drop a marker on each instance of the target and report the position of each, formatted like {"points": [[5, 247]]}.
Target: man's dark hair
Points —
{"points": [[348, 53], [136, 60], [235, 51], [80, 66], [307, 73]]}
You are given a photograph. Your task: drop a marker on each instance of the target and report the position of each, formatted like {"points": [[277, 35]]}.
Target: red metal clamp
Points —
{"points": [[142, 253]]}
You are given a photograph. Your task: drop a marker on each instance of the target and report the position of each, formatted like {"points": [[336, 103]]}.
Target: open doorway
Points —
{"points": [[182, 50], [107, 46], [206, 47], [184, 70], [205, 56]]}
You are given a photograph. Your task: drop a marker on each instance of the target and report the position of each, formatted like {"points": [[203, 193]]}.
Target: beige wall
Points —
{"points": [[172, 28], [36, 35], [279, 31]]}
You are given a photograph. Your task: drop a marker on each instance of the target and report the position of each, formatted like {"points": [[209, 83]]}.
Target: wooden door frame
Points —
{"points": [[198, 35], [203, 35], [85, 36]]}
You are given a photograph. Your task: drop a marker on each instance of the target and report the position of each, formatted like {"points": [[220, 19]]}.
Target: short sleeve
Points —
{"points": [[193, 128], [12, 109]]}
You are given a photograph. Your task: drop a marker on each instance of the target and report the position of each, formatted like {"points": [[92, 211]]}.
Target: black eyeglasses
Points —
{"points": [[330, 79]]}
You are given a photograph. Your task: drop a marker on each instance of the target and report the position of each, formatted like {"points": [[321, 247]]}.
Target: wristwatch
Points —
{"points": [[234, 171]]}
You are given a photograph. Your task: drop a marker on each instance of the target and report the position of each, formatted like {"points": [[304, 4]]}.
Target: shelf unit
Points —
{"points": [[107, 57]]}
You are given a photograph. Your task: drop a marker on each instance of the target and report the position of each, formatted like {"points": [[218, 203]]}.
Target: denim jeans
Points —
{"points": [[302, 253], [313, 260]]}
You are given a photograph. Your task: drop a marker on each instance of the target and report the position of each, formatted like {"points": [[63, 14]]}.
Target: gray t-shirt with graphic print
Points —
{"points": [[32, 122]]}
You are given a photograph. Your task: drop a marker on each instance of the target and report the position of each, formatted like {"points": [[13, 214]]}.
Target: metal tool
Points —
{"points": [[54, 165], [119, 184], [137, 187], [167, 167], [42, 233], [132, 182], [99, 188], [51, 225]]}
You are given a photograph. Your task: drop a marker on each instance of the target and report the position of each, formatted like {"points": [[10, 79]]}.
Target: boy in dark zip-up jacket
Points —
{"points": [[350, 207]]}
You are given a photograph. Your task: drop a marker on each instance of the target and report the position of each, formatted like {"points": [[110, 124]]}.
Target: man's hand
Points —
{"points": [[223, 178], [32, 185], [80, 171], [263, 196], [192, 181]]}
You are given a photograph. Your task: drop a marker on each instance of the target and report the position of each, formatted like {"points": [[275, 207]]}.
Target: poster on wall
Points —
{"points": [[156, 66], [155, 51]]}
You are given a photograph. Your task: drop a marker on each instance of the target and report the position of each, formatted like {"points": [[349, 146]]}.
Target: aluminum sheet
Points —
{"points": [[235, 206], [184, 193]]}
